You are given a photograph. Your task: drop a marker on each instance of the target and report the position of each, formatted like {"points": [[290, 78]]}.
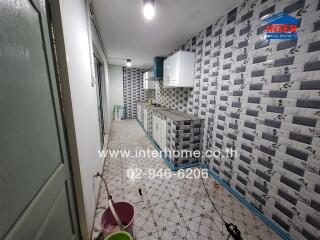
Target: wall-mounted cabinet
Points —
{"points": [[148, 80], [178, 70], [158, 67]]}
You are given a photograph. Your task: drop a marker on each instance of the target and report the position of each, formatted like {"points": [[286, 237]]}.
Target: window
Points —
{"points": [[101, 95]]}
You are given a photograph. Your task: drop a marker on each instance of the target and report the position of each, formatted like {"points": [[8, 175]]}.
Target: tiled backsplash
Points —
{"points": [[261, 97], [175, 98]]}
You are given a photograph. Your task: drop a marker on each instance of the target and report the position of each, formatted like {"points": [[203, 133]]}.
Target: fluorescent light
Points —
{"points": [[148, 9], [129, 63]]}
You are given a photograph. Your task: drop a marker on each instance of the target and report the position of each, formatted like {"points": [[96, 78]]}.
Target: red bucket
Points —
{"points": [[123, 213]]}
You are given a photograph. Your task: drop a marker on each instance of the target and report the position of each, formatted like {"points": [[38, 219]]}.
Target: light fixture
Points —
{"points": [[148, 9], [129, 63]]}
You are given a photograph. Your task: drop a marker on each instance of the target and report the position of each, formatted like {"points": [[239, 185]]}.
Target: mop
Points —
{"points": [[118, 216]]}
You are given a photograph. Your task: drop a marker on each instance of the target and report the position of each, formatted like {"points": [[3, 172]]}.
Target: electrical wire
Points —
{"points": [[214, 206], [231, 228]]}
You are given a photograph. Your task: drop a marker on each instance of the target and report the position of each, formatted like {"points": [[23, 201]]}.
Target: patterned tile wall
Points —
{"points": [[261, 98], [184, 135], [133, 91], [175, 98]]}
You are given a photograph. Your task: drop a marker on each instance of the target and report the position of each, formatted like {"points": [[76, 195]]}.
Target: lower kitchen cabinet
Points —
{"points": [[159, 131], [173, 131], [139, 113], [145, 119]]}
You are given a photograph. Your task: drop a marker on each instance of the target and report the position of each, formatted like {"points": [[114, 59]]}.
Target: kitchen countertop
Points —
{"points": [[175, 115], [185, 115]]}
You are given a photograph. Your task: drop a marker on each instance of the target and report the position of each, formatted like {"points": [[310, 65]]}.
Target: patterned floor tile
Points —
{"points": [[170, 208]]}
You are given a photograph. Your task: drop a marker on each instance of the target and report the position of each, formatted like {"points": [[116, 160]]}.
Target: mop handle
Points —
{"points": [[115, 215], [105, 184], [113, 211]]}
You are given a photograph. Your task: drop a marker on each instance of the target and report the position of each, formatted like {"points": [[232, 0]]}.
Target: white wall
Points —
{"points": [[116, 85], [73, 39]]}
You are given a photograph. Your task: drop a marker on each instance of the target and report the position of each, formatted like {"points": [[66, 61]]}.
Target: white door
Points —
{"points": [[36, 189]]}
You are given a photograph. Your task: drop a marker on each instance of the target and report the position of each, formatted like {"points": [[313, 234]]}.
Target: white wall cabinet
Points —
{"points": [[178, 70], [148, 81], [159, 130]]}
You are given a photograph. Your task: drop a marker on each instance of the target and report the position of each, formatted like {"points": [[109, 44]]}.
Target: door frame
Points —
{"points": [[102, 80], [65, 91], [63, 173], [100, 54], [57, 99], [68, 117]]}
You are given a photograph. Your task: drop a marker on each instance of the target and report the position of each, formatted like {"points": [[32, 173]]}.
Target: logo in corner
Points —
{"points": [[281, 26]]}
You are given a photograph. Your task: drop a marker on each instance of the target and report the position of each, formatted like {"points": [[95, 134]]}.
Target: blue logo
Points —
{"points": [[281, 26]]}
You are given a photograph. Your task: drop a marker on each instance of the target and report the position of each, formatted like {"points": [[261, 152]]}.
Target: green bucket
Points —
{"points": [[121, 235]]}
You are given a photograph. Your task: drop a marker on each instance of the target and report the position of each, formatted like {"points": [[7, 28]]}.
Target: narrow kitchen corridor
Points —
{"points": [[202, 118], [170, 208]]}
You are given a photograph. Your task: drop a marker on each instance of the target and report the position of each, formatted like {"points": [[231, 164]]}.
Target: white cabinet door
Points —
{"points": [[179, 70], [145, 80], [139, 113], [150, 84], [148, 81], [186, 70], [166, 72], [162, 134], [169, 67], [174, 69], [155, 129], [145, 119], [169, 72], [159, 132]]}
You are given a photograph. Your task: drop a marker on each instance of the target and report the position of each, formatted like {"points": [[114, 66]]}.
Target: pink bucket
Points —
{"points": [[118, 216]]}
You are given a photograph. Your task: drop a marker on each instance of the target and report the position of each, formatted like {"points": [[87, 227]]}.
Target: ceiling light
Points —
{"points": [[129, 63], [148, 9]]}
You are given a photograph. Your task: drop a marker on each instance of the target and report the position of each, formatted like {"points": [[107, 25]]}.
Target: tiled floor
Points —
{"points": [[175, 208]]}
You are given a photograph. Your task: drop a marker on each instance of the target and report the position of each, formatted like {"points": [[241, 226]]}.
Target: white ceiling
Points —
{"points": [[127, 34]]}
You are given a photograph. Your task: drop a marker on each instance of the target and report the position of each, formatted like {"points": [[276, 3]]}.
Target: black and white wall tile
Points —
{"points": [[175, 98], [261, 98], [182, 135], [133, 91]]}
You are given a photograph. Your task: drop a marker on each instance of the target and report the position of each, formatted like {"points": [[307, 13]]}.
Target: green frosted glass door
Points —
{"points": [[36, 196]]}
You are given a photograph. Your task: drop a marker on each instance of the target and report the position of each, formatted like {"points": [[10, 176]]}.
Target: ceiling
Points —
{"points": [[127, 34]]}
